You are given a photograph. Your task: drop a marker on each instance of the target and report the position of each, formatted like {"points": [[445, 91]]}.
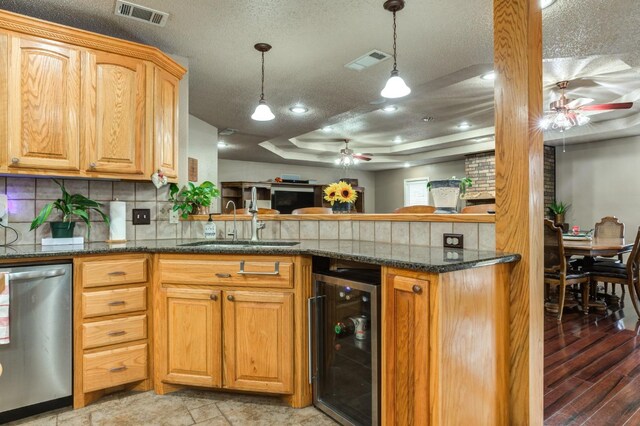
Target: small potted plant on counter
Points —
{"points": [[70, 205], [192, 199], [557, 211], [341, 196], [446, 192]]}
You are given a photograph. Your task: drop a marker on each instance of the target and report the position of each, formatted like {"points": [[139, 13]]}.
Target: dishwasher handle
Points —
{"points": [[34, 275]]}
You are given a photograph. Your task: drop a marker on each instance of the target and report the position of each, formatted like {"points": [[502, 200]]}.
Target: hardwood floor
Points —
{"points": [[592, 368]]}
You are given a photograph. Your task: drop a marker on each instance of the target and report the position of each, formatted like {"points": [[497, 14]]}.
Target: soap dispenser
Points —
{"points": [[210, 229]]}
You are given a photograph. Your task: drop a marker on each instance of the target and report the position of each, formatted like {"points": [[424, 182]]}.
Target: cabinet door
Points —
{"points": [[114, 113], [258, 341], [190, 337], [166, 123], [44, 104], [405, 347]]}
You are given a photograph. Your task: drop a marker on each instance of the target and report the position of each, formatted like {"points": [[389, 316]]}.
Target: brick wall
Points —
{"points": [[481, 168]]}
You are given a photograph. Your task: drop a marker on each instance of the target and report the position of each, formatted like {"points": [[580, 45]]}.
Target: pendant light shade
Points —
{"points": [[262, 112], [395, 87]]}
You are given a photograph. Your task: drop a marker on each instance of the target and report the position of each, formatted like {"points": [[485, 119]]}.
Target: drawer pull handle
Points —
{"points": [[117, 303], [15, 160], [118, 369], [117, 273], [230, 298], [221, 275], [213, 297], [276, 270], [417, 289], [117, 333], [92, 165]]}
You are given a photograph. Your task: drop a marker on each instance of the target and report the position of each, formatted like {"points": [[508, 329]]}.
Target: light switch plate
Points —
{"points": [[4, 209], [174, 216], [141, 216]]}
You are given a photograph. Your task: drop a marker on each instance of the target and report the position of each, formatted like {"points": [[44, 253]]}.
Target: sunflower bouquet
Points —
{"points": [[340, 192]]}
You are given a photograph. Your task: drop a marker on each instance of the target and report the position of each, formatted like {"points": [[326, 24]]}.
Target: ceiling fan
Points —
{"points": [[348, 157], [566, 113]]}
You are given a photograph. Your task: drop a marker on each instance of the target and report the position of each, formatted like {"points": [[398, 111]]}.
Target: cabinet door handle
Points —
{"points": [[117, 303], [117, 273], [230, 298], [276, 270], [15, 160], [221, 275], [92, 165], [118, 369], [116, 333], [417, 289], [213, 297]]}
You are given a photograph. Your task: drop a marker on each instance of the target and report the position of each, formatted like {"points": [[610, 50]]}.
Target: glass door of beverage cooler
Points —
{"points": [[345, 348]]}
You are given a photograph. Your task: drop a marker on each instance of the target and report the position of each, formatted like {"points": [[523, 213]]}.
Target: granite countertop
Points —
{"points": [[420, 258]]}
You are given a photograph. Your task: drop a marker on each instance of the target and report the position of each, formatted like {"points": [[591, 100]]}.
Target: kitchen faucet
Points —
{"points": [[234, 233], [253, 209]]}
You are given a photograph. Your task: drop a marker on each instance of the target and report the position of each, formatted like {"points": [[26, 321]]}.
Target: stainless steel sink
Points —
{"points": [[240, 243]]}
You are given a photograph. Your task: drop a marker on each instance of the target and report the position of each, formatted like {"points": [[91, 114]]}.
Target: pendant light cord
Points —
{"points": [[262, 87], [395, 62]]}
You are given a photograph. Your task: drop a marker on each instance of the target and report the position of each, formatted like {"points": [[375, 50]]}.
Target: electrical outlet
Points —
{"points": [[141, 217], [453, 241], [174, 216], [4, 210]]}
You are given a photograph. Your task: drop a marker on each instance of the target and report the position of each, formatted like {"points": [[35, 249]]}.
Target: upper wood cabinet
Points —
{"points": [[43, 105], [115, 104], [83, 104], [166, 123]]}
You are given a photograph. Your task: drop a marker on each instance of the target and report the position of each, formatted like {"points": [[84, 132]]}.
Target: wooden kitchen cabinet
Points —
{"points": [[166, 123], [258, 341], [115, 106], [43, 112], [191, 347], [81, 104]]}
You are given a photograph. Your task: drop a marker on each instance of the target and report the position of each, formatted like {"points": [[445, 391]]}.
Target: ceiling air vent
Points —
{"points": [[367, 60], [141, 13]]}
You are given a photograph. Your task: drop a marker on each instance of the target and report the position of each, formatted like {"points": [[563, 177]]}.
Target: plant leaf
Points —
{"points": [[42, 216]]}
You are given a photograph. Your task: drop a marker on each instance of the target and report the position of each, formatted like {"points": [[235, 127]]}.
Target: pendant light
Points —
{"points": [[395, 87], [262, 112]]}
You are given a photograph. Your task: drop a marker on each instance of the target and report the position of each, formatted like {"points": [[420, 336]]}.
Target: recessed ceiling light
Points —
{"points": [[464, 126], [427, 119], [222, 144], [397, 139], [489, 76], [390, 108], [327, 128], [546, 3], [407, 165], [298, 109]]}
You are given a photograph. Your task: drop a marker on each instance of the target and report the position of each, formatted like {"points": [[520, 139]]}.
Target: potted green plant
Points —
{"points": [[557, 211], [192, 199], [446, 192], [70, 205]]}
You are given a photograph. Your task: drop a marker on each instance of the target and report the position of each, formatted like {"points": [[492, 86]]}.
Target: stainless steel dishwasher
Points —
{"points": [[37, 363]]}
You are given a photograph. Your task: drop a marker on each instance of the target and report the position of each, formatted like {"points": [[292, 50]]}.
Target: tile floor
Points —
{"points": [[186, 407]]}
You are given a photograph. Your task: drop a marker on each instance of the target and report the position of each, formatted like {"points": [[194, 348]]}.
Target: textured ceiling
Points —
{"points": [[443, 47]]}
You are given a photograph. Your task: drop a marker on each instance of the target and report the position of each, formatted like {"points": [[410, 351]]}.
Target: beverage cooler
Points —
{"points": [[345, 345]]}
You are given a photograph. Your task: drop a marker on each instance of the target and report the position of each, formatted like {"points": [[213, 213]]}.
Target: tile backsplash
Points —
{"points": [[27, 196]]}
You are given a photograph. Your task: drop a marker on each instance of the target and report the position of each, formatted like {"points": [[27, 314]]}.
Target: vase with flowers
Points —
{"points": [[341, 196]]}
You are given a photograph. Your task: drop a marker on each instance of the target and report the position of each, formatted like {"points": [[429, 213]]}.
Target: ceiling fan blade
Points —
{"points": [[606, 107], [361, 157], [576, 103]]}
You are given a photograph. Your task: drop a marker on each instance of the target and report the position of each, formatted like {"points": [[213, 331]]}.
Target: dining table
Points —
{"points": [[591, 248]]}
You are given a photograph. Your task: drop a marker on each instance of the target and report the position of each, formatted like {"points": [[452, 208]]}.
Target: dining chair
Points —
{"points": [[556, 272], [479, 208], [415, 209], [261, 210], [609, 227], [313, 210], [620, 273]]}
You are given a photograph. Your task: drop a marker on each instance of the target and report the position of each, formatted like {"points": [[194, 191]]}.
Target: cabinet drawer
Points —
{"points": [[114, 367], [109, 302], [113, 272], [113, 331], [257, 273]]}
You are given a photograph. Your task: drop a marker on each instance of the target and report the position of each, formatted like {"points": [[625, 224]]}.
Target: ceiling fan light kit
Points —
{"points": [[262, 112], [395, 87]]}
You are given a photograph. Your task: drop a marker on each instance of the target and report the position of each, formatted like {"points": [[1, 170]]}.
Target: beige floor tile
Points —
{"points": [[205, 412], [217, 421]]}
